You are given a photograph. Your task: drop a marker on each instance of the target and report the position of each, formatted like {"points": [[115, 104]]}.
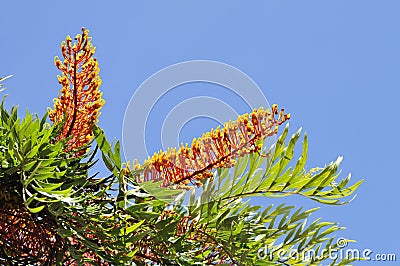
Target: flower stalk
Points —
{"points": [[215, 149], [79, 102]]}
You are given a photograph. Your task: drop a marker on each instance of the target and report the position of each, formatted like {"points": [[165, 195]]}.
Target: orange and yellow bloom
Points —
{"points": [[79, 102], [215, 149]]}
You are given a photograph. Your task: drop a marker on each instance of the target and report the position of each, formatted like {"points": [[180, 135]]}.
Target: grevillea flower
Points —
{"points": [[215, 149], [79, 102]]}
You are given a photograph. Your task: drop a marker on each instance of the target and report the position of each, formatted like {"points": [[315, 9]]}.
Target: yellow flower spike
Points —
{"points": [[80, 100], [217, 148]]}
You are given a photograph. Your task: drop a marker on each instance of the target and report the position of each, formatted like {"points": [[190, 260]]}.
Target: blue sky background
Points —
{"points": [[334, 65]]}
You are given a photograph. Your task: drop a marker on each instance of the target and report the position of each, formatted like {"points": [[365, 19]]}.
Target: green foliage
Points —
{"points": [[233, 230], [54, 185], [243, 229], [123, 221], [46, 175], [255, 175]]}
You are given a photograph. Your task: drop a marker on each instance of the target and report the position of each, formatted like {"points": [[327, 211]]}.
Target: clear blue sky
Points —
{"points": [[333, 64]]}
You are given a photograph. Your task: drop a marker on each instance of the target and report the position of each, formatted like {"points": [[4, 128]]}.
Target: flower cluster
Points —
{"points": [[215, 149], [77, 107]]}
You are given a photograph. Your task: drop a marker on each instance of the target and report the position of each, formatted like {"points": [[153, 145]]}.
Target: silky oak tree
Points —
{"points": [[54, 212]]}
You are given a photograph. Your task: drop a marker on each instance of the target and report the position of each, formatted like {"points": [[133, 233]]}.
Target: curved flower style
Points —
{"points": [[215, 149], [80, 100]]}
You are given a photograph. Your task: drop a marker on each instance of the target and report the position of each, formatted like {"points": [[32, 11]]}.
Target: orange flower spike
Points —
{"points": [[80, 99], [217, 148]]}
